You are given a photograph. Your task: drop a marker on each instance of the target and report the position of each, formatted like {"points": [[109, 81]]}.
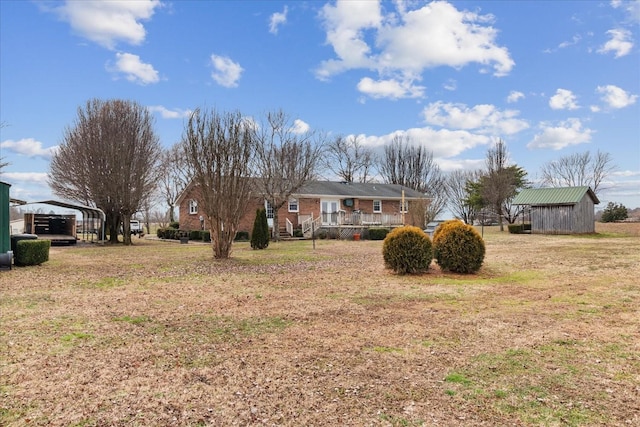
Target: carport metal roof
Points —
{"points": [[88, 212]]}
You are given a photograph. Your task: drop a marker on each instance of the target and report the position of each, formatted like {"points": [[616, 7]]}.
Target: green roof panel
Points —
{"points": [[553, 196]]}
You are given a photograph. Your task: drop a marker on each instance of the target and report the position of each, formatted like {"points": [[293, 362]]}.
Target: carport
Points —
{"points": [[93, 219]]}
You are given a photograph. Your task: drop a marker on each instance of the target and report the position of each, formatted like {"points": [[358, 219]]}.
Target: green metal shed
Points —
{"points": [[564, 210], [5, 237]]}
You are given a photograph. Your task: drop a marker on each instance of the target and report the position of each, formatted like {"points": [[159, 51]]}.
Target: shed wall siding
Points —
{"points": [[564, 219], [584, 216]]}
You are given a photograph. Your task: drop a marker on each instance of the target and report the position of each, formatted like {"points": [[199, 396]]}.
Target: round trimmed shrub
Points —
{"points": [[458, 247], [407, 250]]}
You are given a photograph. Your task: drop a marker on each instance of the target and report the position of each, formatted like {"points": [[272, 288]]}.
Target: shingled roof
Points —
{"points": [[554, 196], [356, 190]]}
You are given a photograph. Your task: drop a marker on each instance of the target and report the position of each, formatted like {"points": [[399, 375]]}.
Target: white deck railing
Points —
{"points": [[362, 219], [310, 224], [289, 227]]}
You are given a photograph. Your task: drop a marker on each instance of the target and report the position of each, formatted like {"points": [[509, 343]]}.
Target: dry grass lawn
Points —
{"points": [[547, 333]]}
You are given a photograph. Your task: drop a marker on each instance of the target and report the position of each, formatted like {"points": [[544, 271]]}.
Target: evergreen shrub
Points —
{"points": [[407, 250], [458, 247], [515, 228], [378, 233], [260, 233], [31, 252], [242, 236]]}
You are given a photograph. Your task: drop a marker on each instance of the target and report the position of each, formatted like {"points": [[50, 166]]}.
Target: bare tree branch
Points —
{"points": [[285, 160], [413, 167], [349, 159], [176, 175], [579, 169], [456, 185], [108, 159], [219, 148]]}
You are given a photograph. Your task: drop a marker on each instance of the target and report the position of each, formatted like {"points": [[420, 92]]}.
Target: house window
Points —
{"points": [[377, 206], [293, 205], [193, 206], [404, 206], [269, 208]]}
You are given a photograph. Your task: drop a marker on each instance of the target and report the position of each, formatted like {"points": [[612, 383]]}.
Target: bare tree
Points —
{"points": [[498, 184], [108, 159], [286, 159], [579, 169], [219, 149], [176, 175], [457, 195], [349, 159], [412, 166]]}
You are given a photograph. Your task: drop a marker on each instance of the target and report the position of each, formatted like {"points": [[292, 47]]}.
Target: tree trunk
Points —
{"points": [[113, 224], [126, 231], [276, 226]]}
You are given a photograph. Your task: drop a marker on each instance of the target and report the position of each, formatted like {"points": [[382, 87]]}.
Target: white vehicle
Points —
{"points": [[136, 227]]}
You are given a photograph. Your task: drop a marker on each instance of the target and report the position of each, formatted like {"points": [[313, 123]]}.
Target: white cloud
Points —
{"points": [[133, 69], [443, 143], [406, 42], [300, 127], [563, 100], [616, 97], [626, 173], [514, 96], [450, 84], [277, 19], [390, 89], [574, 40], [28, 177], [109, 22], [165, 113], [345, 23], [567, 133], [620, 42], [449, 165], [484, 118], [632, 8], [28, 147], [225, 72]]}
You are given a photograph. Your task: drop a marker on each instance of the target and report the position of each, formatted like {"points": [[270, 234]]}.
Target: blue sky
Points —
{"points": [[549, 78]]}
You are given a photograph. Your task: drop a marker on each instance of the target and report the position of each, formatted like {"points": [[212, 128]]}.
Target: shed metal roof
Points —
{"points": [[554, 196]]}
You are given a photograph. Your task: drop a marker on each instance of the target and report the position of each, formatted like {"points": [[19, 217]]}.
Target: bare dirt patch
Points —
{"points": [[547, 333]]}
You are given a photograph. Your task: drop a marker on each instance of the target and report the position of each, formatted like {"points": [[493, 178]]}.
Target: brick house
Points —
{"points": [[348, 207]]}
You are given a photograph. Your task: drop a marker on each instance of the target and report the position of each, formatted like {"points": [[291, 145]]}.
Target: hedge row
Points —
{"points": [[171, 233], [31, 252], [519, 228], [196, 235]]}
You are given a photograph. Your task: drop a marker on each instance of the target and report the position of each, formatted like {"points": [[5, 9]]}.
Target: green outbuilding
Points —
{"points": [[5, 236], [564, 210]]}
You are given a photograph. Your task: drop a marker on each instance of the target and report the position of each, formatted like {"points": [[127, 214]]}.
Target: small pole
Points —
{"points": [[402, 207], [313, 232]]}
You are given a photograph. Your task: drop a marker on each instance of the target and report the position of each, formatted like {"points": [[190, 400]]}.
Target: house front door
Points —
{"points": [[329, 211]]}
